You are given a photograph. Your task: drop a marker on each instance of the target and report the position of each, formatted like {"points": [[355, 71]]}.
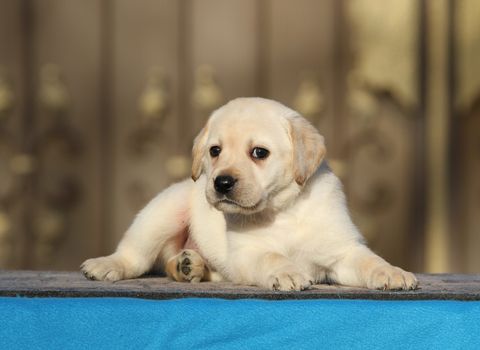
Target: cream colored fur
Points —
{"points": [[284, 226]]}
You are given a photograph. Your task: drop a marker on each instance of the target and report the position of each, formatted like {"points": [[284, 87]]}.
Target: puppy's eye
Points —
{"points": [[260, 153], [215, 151]]}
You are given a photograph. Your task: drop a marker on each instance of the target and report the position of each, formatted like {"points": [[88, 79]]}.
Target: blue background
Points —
{"points": [[124, 323]]}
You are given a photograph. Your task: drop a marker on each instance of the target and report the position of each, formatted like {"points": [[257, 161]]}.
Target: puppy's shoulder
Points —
{"points": [[324, 182]]}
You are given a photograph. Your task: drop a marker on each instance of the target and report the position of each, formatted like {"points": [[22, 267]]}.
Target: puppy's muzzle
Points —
{"points": [[224, 183]]}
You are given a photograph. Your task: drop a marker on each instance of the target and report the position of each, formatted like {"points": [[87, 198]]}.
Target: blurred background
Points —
{"points": [[100, 101]]}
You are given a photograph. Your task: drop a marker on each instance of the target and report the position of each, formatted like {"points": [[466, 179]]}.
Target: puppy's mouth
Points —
{"points": [[233, 203]]}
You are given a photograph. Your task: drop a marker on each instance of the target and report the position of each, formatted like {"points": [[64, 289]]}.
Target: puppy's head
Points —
{"points": [[255, 153]]}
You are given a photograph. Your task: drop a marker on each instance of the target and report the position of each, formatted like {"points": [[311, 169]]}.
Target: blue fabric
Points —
{"points": [[123, 323]]}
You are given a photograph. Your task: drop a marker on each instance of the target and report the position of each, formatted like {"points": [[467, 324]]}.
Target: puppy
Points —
{"points": [[263, 209]]}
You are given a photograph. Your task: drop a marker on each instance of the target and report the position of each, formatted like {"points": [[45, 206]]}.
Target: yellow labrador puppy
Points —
{"points": [[263, 209]]}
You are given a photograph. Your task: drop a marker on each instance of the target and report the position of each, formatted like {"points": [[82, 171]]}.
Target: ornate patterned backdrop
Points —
{"points": [[100, 101]]}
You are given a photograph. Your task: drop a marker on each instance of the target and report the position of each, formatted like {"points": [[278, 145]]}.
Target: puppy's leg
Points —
{"points": [[275, 271], [157, 233], [360, 267]]}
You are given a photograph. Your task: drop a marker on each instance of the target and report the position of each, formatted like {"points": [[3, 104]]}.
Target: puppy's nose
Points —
{"points": [[224, 183]]}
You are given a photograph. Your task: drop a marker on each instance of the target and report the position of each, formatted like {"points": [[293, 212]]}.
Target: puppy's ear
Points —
{"points": [[308, 148], [198, 152]]}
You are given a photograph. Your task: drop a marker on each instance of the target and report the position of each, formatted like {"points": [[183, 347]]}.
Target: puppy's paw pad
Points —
{"points": [[190, 266], [103, 269], [392, 278]]}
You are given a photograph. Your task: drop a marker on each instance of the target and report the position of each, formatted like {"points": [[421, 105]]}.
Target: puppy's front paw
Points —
{"points": [[289, 280], [107, 268], [189, 266], [391, 277]]}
